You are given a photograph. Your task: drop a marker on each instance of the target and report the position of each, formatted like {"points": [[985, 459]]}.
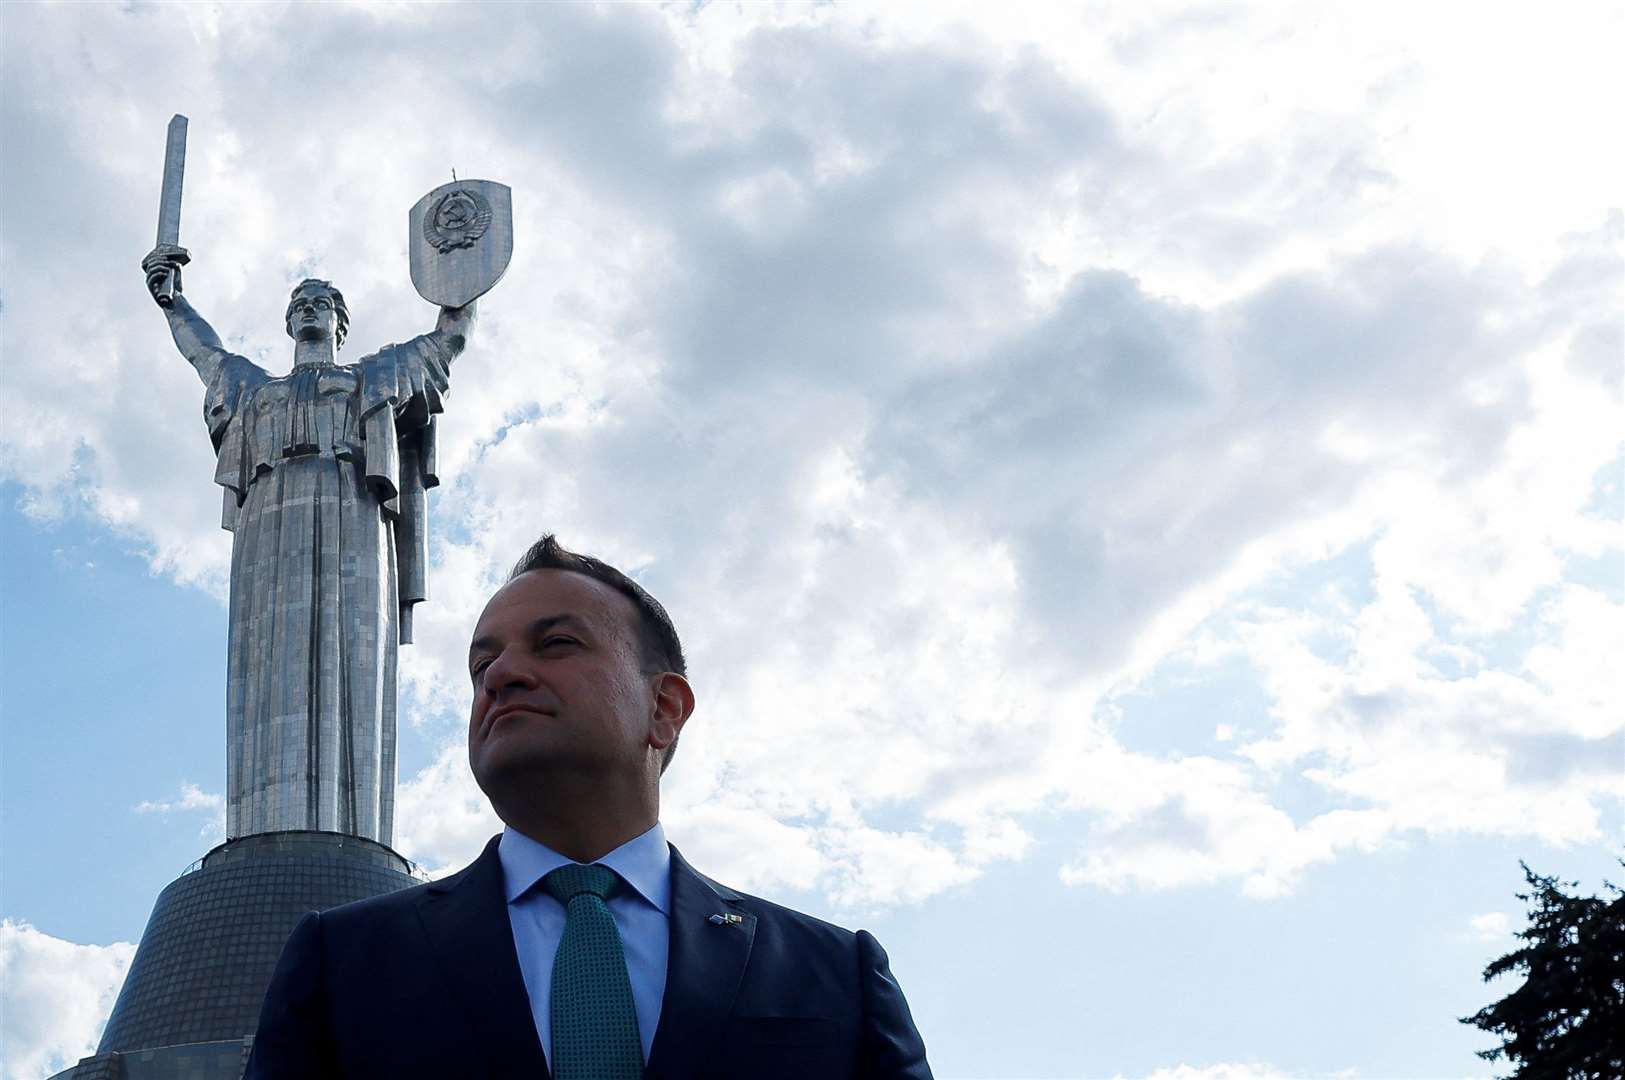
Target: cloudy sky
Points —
{"points": [[1140, 486]]}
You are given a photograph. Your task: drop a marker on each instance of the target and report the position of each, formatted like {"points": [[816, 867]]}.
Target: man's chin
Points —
{"points": [[524, 762]]}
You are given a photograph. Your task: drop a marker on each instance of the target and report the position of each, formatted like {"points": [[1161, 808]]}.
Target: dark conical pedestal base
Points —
{"points": [[192, 997]]}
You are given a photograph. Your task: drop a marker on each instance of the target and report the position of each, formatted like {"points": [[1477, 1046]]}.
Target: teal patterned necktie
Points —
{"points": [[595, 1025]]}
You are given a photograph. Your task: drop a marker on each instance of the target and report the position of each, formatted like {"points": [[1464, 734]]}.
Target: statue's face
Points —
{"points": [[312, 316]]}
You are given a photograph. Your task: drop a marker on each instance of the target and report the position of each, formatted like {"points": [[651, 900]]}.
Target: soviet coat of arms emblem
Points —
{"points": [[460, 238], [457, 219]]}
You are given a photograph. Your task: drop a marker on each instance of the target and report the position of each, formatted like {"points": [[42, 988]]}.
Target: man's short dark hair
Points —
{"points": [[658, 647]]}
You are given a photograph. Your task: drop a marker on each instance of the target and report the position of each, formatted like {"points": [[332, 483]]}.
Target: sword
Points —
{"points": [[169, 204]]}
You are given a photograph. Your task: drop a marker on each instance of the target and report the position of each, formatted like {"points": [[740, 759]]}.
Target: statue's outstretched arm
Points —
{"points": [[193, 335], [456, 325]]}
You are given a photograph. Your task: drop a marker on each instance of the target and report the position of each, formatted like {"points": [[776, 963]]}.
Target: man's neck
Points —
{"points": [[583, 826], [581, 844]]}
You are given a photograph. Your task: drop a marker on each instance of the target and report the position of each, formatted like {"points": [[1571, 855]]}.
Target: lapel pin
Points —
{"points": [[726, 920]]}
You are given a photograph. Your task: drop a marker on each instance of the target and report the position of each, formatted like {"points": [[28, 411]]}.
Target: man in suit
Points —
{"points": [[580, 945]]}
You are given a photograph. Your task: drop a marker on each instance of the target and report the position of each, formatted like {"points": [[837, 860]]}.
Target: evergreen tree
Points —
{"points": [[1567, 1020]]}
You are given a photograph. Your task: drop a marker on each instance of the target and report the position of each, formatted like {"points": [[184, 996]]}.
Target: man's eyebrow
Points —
{"points": [[536, 628]]}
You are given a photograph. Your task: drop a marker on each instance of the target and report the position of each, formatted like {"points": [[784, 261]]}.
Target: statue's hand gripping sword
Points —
{"points": [[163, 265]]}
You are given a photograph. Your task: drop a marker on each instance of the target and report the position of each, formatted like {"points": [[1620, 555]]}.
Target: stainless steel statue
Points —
{"points": [[325, 472]]}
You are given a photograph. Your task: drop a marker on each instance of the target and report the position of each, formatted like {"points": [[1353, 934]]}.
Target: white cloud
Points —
{"points": [[947, 377], [442, 817], [54, 998], [192, 799], [1402, 735], [729, 836], [1222, 1071], [1438, 738], [1577, 662], [1491, 926], [1198, 821]]}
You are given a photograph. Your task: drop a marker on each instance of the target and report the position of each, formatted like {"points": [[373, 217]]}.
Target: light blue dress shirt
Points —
{"points": [[642, 915]]}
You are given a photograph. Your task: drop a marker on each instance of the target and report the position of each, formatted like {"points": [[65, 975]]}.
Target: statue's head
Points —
{"points": [[316, 310]]}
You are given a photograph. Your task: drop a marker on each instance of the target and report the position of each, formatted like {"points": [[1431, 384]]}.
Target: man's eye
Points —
{"points": [[555, 641], [476, 670]]}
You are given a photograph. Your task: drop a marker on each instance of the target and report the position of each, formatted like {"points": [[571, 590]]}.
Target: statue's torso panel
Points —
{"points": [[308, 411]]}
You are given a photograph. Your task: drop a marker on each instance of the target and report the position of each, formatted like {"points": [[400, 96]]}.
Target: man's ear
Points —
{"points": [[673, 703]]}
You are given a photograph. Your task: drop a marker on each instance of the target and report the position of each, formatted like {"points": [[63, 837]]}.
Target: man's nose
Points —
{"points": [[508, 670]]}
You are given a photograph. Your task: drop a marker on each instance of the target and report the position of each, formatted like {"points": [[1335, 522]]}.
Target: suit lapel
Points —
{"points": [[466, 919], [704, 968]]}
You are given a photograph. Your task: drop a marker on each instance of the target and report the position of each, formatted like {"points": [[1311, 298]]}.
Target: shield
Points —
{"points": [[459, 240]]}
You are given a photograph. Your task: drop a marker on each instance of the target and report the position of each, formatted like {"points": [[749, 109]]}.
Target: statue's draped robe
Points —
{"points": [[325, 471]]}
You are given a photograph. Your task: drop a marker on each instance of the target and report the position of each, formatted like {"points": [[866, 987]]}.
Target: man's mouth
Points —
{"points": [[509, 710]]}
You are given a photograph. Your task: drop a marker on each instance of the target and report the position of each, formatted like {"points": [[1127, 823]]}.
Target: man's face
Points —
{"points": [[311, 315], [558, 682]]}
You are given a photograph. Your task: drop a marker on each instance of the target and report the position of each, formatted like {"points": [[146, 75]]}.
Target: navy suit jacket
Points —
{"points": [[425, 982]]}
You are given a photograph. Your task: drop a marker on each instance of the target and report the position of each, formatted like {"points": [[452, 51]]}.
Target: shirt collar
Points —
{"points": [[644, 862]]}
